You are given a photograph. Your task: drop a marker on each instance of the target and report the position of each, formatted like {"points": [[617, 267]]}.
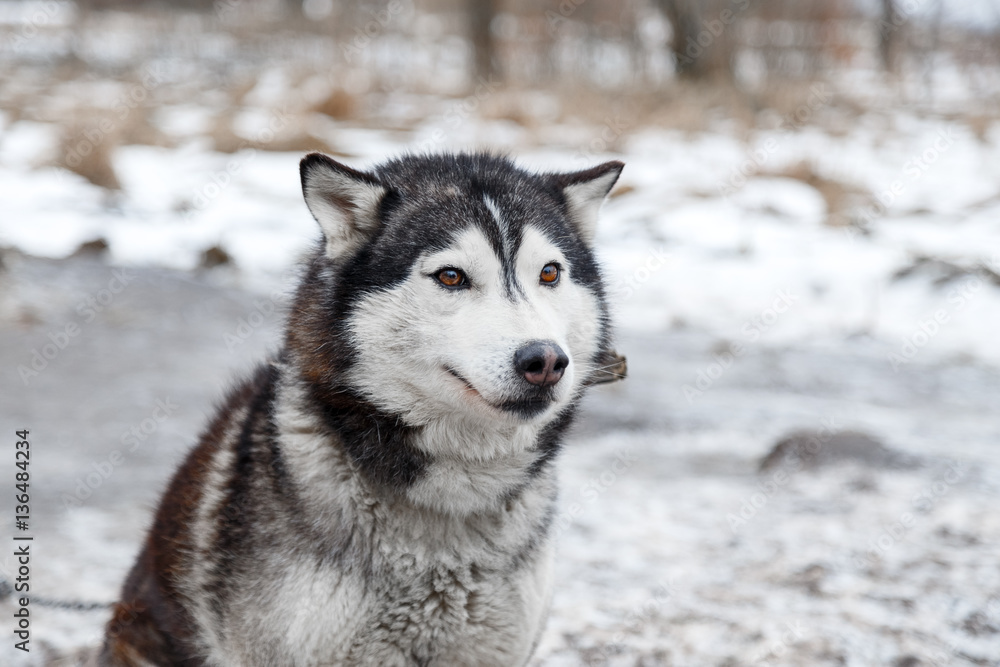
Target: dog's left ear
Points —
{"points": [[585, 191], [344, 201]]}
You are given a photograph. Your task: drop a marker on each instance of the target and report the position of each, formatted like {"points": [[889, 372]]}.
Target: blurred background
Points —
{"points": [[803, 253]]}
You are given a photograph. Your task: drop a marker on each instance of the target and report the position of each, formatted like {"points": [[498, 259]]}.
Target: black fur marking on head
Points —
{"points": [[435, 197], [431, 198], [504, 237]]}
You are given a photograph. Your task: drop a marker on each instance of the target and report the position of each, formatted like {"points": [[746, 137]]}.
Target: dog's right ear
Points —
{"points": [[585, 191], [344, 201]]}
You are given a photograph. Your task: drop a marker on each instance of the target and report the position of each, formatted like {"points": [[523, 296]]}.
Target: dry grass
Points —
{"points": [[291, 138], [694, 107], [339, 105], [522, 107], [296, 141], [685, 106], [223, 138], [86, 150], [136, 129], [841, 198], [620, 190], [699, 107], [980, 123], [89, 140]]}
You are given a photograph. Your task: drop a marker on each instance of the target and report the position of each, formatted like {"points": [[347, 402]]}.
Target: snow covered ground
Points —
{"points": [[674, 550], [815, 274]]}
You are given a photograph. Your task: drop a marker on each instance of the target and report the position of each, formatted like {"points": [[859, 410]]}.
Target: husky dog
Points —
{"points": [[382, 491]]}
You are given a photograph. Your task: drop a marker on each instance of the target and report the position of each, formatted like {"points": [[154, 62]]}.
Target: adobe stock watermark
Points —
{"points": [[903, 12], [944, 657], [122, 107], [752, 505], [991, 610], [922, 502], [757, 157], [38, 16], [264, 309], [133, 438], [218, 181], [792, 633], [927, 328], [979, 623], [555, 20], [594, 488], [638, 617], [625, 286], [752, 330], [611, 131], [928, 497], [458, 113], [88, 310], [712, 29], [227, 9], [912, 171], [915, 341], [363, 35]]}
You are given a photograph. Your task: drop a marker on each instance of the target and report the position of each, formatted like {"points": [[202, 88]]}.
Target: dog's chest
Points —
{"points": [[403, 611], [409, 582]]}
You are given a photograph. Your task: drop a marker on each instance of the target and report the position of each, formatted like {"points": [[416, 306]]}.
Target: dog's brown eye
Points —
{"points": [[451, 277], [550, 274]]}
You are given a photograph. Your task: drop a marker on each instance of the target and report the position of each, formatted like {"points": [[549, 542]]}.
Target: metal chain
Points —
{"points": [[7, 590]]}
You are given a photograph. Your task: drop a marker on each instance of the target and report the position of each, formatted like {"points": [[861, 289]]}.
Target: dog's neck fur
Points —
{"points": [[456, 483], [460, 467]]}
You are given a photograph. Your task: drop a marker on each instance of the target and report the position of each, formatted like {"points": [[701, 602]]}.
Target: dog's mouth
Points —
{"points": [[526, 407]]}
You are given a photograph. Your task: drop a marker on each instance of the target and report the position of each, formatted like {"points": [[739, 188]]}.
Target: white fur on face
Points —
{"points": [[409, 337]]}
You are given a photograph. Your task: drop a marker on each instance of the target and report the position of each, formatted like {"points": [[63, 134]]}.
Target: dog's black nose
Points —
{"points": [[541, 363]]}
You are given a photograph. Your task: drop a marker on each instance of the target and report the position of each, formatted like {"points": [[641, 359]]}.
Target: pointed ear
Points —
{"points": [[585, 192], [344, 201]]}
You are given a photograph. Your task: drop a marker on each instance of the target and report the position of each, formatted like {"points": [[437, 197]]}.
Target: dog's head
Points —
{"points": [[462, 285]]}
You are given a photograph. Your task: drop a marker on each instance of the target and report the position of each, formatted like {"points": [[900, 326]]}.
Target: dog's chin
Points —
{"points": [[528, 406]]}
